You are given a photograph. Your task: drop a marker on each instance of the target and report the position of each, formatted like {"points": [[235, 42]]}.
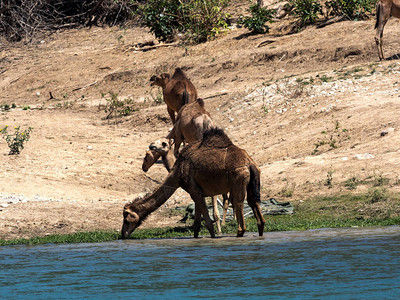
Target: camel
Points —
{"points": [[206, 168], [162, 148], [384, 10], [177, 90], [157, 149], [191, 122]]}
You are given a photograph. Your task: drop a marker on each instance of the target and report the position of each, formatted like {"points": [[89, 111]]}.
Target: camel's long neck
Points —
{"points": [[169, 160], [160, 196]]}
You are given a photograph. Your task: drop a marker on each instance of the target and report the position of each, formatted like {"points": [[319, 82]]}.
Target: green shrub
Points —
{"points": [[16, 141], [377, 194], [259, 16], [353, 9], [118, 108], [307, 10], [196, 20]]}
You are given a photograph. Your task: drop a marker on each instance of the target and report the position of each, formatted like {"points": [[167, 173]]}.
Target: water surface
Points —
{"points": [[317, 264]]}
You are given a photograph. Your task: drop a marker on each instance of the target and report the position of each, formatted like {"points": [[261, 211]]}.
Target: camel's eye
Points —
{"points": [[164, 144]]}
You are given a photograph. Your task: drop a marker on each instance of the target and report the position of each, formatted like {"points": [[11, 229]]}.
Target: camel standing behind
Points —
{"points": [[192, 121], [384, 10], [215, 157], [177, 90]]}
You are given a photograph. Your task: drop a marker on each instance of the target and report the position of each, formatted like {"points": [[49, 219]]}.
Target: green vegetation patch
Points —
{"points": [[377, 207]]}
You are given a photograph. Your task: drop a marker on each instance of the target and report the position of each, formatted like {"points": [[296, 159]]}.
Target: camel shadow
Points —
{"points": [[393, 57]]}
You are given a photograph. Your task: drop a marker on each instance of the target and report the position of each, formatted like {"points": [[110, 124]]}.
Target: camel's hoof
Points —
{"points": [[240, 233]]}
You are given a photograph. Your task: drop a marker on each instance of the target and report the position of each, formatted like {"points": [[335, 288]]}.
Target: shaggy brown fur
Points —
{"points": [[162, 148], [177, 90], [232, 171], [384, 10]]}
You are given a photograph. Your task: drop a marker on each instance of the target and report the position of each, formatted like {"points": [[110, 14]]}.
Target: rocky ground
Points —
{"points": [[314, 109]]}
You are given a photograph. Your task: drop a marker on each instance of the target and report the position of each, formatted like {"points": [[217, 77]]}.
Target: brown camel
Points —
{"points": [[206, 168], [162, 148], [191, 122], [177, 90], [157, 149], [384, 10]]}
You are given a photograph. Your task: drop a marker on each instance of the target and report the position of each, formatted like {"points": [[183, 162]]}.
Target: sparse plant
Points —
{"points": [[352, 9], [325, 78], [307, 11], [351, 183], [287, 190], [117, 108], [291, 89], [16, 140], [256, 23], [377, 194], [334, 138], [380, 180], [157, 98], [26, 107], [329, 179]]}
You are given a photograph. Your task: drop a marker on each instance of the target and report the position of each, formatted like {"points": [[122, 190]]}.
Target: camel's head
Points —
{"points": [[161, 146], [160, 80], [131, 221], [149, 159]]}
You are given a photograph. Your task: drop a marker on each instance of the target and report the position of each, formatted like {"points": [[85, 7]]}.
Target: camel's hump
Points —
{"points": [[216, 138], [179, 74]]}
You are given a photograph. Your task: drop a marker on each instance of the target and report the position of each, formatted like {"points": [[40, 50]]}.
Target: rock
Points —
{"points": [[364, 156], [387, 131]]}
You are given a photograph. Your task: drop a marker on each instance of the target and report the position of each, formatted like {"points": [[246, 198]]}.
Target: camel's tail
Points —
{"points": [[253, 189], [378, 14], [253, 197]]}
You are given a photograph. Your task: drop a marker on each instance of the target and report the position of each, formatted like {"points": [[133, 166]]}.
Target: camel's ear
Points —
{"points": [[165, 76]]}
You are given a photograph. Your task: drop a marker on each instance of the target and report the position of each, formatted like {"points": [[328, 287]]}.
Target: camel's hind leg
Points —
{"points": [[226, 206], [217, 217], [255, 206], [237, 195], [383, 15]]}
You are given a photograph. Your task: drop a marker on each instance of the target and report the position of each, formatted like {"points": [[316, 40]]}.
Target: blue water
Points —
{"points": [[318, 264]]}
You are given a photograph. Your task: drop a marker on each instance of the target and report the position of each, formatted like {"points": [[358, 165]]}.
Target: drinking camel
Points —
{"points": [[162, 148], [209, 167]]}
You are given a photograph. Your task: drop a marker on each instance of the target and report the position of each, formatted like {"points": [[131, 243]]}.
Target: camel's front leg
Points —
{"points": [[201, 209], [197, 221]]}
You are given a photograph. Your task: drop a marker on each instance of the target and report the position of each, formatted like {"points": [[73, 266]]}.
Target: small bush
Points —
{"points": [[377, 194], [259, 17], [353, 9], [16, 141], [307, 11], [195, 20], [119, 108], [291, 89]]}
